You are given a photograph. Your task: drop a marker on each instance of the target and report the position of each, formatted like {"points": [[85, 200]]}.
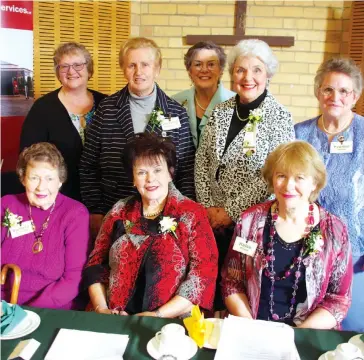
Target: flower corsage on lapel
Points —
{"points": [[11, 220], [128, 226], [249, 145], [168, 225], [156, 118], [313, 243]]}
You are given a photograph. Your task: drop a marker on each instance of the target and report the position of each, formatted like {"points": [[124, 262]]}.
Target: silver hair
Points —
{"points": [[256, 48], [343, 66]]}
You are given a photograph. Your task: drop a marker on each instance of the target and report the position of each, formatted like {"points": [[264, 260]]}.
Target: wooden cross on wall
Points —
{"points": [[240, 12]]}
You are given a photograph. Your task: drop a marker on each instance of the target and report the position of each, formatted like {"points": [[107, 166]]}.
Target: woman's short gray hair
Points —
{"points": [[256, 48], [342, 66], [42, 152]]}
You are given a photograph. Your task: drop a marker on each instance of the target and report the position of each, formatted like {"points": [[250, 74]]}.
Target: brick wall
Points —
{"points": [[320, 29]]}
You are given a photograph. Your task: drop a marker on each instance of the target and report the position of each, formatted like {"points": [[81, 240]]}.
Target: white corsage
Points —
{"points": [[255, 116], [156, 118], [314, 243], [168, 225], [10, 220], [249, 144]]}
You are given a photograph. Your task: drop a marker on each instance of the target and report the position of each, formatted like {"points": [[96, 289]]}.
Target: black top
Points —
{"points": [[146, 271], [48, 120], [198, 128], [284, 254], [236, 124]]}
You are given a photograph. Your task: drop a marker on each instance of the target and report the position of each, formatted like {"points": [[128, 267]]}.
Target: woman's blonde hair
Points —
{"points": [[296, 157], [140, 43]]}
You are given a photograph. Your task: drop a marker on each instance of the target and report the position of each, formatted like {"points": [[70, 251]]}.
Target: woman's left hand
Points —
{"points": [[147, 313], [220, 219]]}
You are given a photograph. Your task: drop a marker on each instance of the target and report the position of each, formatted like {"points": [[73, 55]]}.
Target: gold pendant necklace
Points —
{"points": [[199, 105], [38, 245]]}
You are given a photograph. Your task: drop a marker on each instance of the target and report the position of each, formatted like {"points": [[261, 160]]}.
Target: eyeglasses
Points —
{"points": [[64, 68], [36, 179], [210, 65], [328, 91]]}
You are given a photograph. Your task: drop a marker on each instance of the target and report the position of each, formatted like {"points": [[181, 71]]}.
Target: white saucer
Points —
{"points": [[214, 338], [355, 340], [25, 327], [330, 355], [189, 349]]}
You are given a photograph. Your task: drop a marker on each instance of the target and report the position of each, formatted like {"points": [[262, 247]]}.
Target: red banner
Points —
{"points": [[17, 15]]}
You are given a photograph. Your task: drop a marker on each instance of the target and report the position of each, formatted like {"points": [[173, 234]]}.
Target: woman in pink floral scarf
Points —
{"points": [[290, 260]]}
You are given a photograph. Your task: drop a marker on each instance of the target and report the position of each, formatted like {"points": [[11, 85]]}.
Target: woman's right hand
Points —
{"points": [[218, 217], [110, 312]]}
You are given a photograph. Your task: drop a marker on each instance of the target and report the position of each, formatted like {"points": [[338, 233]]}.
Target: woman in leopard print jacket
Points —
{"points": [[238, 137]]}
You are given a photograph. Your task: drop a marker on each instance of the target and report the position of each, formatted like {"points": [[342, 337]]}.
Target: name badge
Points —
{"points": [[245, 246], [171, 123], [20, 230], [344, 147]]}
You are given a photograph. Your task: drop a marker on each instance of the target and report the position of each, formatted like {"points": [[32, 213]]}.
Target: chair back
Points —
{"points": [[16, 284]]}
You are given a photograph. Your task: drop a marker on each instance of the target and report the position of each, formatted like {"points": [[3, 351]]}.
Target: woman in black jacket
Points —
{"points": [[61, 116]]}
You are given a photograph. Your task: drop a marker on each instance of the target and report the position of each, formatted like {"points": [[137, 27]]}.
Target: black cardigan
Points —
{"points": [[48, 120]]}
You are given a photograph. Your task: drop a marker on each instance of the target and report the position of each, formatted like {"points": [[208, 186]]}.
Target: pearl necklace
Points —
{"points": [[154, 214], [199, 105], [335, 132]]}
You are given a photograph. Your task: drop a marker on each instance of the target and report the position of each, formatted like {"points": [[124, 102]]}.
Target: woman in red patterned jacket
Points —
{"points": [[155, 254], [290, 260]]}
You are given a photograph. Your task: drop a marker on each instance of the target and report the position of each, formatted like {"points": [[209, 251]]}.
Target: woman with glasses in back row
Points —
{"points": [[205, 64], [337, 134], [61, 116]]}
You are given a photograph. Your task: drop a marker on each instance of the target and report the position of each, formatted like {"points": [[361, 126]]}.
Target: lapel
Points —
{"points": [[62, 108], [216, 99], [191, 110], [314, 264], [223, 121], [161, 103], [235, 146], [124, 114]]}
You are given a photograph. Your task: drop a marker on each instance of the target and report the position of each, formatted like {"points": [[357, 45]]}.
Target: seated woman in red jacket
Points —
{"points": [[290, 260], [155, 254]]}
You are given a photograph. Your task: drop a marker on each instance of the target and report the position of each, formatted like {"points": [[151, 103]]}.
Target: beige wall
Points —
{"points": [[320, 29]]}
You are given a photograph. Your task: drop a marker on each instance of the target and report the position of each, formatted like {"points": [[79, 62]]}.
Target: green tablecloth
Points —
{"points": [[310, 343]]}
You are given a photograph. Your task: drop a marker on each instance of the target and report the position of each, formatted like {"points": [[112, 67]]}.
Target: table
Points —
{"points": [[310, 343]]}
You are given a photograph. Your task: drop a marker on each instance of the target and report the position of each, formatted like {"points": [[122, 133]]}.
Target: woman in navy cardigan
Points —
{"points": [[141, 106]]}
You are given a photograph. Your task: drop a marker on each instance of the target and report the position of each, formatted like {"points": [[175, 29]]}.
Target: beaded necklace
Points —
{"points": [[296, 262]]}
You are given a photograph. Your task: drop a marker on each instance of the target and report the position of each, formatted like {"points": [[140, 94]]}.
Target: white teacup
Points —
{"points": [[170, 339], [348, 351]]}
